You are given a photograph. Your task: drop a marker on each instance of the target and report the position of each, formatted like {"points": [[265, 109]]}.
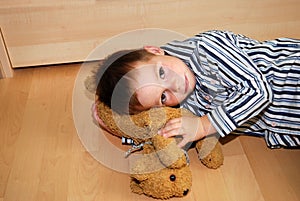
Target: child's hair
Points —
{"points": [[113, 69]]}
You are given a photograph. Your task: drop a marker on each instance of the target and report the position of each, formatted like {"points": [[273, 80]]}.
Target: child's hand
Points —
{"points": [[190, 128]]}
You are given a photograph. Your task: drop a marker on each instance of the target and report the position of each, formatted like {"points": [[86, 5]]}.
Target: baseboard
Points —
{"points": [[6, 70]]}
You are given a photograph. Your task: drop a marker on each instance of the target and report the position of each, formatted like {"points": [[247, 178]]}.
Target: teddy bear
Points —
{"points": [[162, 169]]}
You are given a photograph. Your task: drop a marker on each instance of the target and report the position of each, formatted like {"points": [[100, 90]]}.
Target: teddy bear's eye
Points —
{"points": [[172, 177]]}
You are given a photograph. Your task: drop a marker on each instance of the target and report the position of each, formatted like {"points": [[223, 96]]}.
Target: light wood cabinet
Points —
{"points": [[40, 32]]}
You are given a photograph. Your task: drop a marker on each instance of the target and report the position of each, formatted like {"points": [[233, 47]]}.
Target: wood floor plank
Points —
{"points": [[54, 177], [238, 175], [207, 183], [240, 180], [276, 171], [289, 161], [13, 98]]}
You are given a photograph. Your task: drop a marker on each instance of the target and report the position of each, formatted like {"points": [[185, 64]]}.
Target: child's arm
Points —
{"points": [[249, 91], [191, 128]]}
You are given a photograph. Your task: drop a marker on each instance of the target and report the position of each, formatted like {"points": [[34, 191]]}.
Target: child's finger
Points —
{"points": [[172, 133], [171, 124], [170, 129], [173, 121]]}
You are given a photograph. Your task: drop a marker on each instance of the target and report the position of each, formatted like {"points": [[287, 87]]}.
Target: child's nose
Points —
{"points": [[175, 85]]}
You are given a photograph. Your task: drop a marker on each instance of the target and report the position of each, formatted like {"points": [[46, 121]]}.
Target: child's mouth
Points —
{"points": [[186, 81]]}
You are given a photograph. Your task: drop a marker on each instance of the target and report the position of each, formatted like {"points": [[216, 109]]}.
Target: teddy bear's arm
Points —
{"points": [[168, 152]]}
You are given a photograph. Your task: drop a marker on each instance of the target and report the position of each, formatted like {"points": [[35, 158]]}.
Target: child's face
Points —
{"points": [[163, 80]]}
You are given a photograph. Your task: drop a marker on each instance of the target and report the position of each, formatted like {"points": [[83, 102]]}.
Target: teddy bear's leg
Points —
{"points": [[210, 152]]}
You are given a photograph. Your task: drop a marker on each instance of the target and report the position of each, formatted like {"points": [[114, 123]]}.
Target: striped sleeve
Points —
{"points": [[249, 94]]}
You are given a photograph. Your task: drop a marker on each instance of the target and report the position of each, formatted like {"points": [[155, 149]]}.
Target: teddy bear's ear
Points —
{"points": [[135, 126], [106, 116], [138, 177], [92, 80]]}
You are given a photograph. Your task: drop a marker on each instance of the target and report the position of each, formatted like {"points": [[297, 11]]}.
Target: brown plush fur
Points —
{"points": [[162, 171]]}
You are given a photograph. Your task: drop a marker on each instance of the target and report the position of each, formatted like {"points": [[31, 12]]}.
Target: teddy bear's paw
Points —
{"points": [[212, 161], [210, 153]]}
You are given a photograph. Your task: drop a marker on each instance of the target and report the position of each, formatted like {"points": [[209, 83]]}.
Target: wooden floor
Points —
{"points": [[42, 158]]}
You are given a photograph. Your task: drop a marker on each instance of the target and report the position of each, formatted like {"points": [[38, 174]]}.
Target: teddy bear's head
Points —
{"points": [[163, 183], [162, 171]]}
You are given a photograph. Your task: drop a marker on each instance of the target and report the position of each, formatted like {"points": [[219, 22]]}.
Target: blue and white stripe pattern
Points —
{"points": [[243, 85]]}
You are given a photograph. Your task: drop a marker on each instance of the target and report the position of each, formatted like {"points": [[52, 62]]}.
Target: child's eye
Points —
{"points": [[163, 97], [161, 73]]}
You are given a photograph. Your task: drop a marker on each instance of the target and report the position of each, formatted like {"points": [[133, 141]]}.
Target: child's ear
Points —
{"points": [[154, 50]]}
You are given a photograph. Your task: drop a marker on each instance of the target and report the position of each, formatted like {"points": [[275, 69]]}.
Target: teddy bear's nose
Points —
{"points": [[186, 192]]}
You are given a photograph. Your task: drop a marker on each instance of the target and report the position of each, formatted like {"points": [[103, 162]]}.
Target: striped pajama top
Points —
{"points": [[243, 85]]}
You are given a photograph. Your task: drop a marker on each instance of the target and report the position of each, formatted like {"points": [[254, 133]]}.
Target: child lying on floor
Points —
{"points": [[233, 85]]}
